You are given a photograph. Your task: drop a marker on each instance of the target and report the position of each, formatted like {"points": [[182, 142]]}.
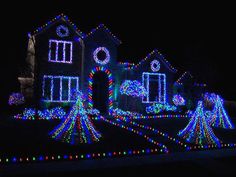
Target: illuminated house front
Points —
{"points": [[62, 60]]}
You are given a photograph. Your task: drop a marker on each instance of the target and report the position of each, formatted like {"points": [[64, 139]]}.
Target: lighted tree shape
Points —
{"points": [[219, 117], [198, 130], [77, 126]]}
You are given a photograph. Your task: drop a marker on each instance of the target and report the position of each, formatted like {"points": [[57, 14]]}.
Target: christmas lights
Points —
{"points": [[160, 57], [155, 131], [98, 59], [93, 112], [198, 131], [77, 126], [54, 20], [47, 114], [16, 99], [65, 91], [76, 156], [183, 77], [62, 31], [163, 116], [209, 99], [157, 108], [140, 133], [155, 65], [161, 81], [120, 112], [178, 100], [103, 27], [219, 117], [110, 87], [54, 113], [132, 88], [57, 45], [28, 114]]}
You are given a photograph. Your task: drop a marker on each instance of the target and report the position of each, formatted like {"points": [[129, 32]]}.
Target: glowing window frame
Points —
{"points": [[64, 43], [110, 86], [160, 76], [52, 86]]}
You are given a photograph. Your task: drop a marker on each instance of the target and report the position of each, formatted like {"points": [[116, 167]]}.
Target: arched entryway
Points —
{"points": [[100, 91]]}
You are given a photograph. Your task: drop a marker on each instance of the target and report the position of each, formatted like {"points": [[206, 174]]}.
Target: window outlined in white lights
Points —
{"points": [[60, 51], [157, 80], [59, 88]]}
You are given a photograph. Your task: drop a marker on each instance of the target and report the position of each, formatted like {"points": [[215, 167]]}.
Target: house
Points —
{"points": [[61, 60]]}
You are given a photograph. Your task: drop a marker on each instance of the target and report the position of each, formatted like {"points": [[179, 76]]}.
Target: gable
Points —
{"points": [[102, 30], [154, 62], [60, 19]]}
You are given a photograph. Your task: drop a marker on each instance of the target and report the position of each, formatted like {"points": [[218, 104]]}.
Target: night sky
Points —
{"points": [[197, 38]]}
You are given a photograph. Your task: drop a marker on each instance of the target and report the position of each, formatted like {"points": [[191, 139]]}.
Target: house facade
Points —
{"points": [[62, 60]]}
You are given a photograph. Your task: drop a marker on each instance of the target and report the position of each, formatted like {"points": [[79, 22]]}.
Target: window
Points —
{"points": [[60, 51], [155, 84], [60, 88]]}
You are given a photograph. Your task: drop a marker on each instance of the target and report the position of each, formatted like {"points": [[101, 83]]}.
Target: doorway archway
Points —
{"points": [[97, 99]]}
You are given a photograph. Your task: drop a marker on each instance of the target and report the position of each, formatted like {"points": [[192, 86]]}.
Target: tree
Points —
{"points": [[198, 130], [77, 126], [219, 117]]}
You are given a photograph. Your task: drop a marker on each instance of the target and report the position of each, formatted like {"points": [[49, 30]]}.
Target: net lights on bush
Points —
{"points": [[100, 60], [47, 114], [110, 84], [120, 112], [132, 88], [219, 117], [16, 99], [178, 100], [77, 126], [158, 107], [198, 130]]}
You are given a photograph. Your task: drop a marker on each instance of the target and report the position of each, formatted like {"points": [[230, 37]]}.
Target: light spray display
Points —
{"points": [[77, 126], [219, 117], [198, 131]]}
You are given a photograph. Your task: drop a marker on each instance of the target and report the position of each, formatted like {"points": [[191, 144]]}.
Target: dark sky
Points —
{"points": [[193, 37]]}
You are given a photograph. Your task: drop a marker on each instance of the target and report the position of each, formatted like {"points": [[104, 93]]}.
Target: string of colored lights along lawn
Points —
{"points": [[165, 135], [162, 146], [188, 147], [78, 156], [165, 116]]}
